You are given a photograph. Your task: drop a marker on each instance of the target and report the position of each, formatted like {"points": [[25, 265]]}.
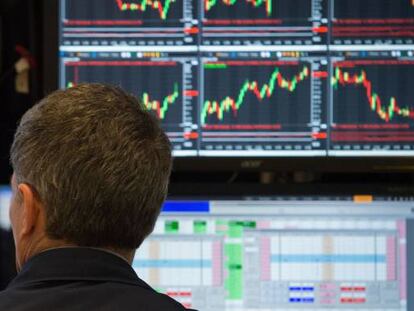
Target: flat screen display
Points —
{"points": [[254, 78], [283, 253]]}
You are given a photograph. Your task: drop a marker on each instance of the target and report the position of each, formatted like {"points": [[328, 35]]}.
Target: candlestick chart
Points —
{"points": [[265, 4], [128, 23], [165, 88], [162, 8], [139, 78], [386, 112], [375, 92], [161, 107], [257, 9], [265, 22], [372, 102], [259, 104], [120, 10], [260, 93]]}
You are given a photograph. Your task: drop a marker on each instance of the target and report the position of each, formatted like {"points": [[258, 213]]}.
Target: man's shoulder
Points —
{"points": [[85, 295], [73, 279]]}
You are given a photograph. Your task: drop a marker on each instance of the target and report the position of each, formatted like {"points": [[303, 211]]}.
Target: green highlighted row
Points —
{"points": [[215, 66]]}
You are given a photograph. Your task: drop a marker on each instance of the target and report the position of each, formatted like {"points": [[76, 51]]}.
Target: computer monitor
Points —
{"points": [[283, 253], [263, 80], [296, 252], [5, 197]]}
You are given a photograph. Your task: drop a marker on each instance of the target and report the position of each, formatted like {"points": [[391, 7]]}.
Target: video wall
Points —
{"points": [[254, 77]]}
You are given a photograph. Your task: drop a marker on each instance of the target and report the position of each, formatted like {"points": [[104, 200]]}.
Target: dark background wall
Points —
{"points": [[20, 22]]}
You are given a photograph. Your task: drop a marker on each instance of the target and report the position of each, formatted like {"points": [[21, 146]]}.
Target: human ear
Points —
{"points": [[30, 211]]}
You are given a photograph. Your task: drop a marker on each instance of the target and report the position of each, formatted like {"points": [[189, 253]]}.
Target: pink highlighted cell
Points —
{"points": [[402, 229], [328, 286], [265, 274], [391, 259], [217, 263]]}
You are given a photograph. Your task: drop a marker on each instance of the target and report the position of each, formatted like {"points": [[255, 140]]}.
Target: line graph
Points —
{"points": [[218, 108], [161, 107], [162, 9], [345, 78], [209, 4]]}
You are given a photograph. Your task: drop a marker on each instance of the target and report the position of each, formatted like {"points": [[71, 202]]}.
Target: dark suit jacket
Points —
{"points": [[7, 260], [81, 279]]}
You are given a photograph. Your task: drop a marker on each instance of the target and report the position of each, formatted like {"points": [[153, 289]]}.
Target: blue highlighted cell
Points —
{"points": [[308, 300], [301, 289], [186, 207], [171, 263], [302, 300]]}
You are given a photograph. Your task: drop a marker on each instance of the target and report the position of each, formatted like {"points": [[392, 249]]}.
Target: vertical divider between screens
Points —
{"points": [[328, 84], [200, 78]]}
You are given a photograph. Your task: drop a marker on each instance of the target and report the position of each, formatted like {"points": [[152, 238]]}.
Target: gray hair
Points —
{"points": [[99, 162]]}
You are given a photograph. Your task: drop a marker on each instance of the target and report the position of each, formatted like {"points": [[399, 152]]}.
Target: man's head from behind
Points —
{"points": [[91, 168]]}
